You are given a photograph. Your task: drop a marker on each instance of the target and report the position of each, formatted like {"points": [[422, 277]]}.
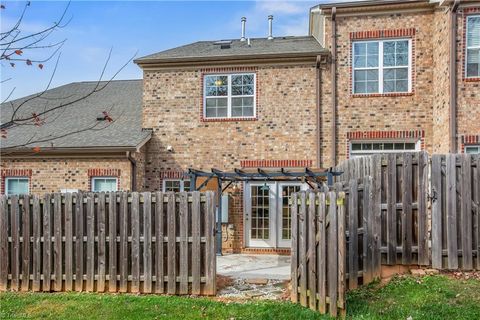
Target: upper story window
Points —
{"points": [[382, 66], [176, 185], [365, 148], [105, 184], [473, 47], [472, 149], [229, 96], [16, 185]]}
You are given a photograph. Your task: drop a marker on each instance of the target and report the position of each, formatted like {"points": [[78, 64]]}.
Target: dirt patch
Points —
{"points": [[223, 282]]}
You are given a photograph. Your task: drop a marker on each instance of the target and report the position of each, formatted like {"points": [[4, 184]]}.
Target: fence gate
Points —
{"points": [[116, 242], [319, 251]]}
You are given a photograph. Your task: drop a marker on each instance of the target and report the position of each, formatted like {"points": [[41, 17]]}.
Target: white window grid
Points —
{"points": [[469, 46], [183, 184], [380, 67], [229, 96], [103, 178], [472, 149], [354, 153], [8, 179]]}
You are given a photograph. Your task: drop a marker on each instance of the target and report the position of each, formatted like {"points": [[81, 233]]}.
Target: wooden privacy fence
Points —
{"points": [[319, 251], [456, 211], [335, 244], [115, 242], [400, 189]]}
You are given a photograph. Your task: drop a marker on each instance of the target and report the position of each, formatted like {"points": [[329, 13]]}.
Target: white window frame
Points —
{"points": [[469, 47], [8, 179], [360, 153], [476, 146], [182, 184], [95, 178], [229, 95], [380, 67]]}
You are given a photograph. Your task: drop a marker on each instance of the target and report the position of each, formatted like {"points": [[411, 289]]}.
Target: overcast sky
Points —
{"points": [[134, 27]]}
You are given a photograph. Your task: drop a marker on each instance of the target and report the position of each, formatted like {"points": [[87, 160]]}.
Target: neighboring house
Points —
{"points": [[67, 157], [391, 85], [407, 76]]}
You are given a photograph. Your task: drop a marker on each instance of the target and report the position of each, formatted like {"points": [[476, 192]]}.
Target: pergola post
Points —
{"points": [[219, 218]]}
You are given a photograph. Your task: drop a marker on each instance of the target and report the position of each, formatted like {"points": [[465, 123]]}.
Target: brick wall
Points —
{"points": [[441, 83], [468, 105], [285, 128], [53, 174]]}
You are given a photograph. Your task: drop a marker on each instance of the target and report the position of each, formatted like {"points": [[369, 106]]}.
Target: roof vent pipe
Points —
{"points": [[270, 20], [243, 28]]}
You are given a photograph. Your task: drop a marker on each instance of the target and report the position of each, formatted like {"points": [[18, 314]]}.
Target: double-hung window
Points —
{"points": [[176, 185], [229, 96], [105, 184], [382, 66], [16, 185], [473, 47]]}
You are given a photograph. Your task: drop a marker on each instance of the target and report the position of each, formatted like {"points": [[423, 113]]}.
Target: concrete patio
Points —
{"points": [[248, 266]]}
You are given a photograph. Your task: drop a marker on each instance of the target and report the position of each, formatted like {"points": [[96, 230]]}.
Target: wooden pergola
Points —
{"points": [[307, 175]]}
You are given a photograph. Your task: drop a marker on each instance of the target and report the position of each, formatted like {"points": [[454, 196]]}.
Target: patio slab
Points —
{"points": [[248, 266]]}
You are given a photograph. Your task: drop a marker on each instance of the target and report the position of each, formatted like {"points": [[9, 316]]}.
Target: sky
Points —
{"points": [[132, 29]]}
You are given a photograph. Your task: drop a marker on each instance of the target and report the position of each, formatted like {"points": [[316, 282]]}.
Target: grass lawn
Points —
{"points": [[431, 297]]}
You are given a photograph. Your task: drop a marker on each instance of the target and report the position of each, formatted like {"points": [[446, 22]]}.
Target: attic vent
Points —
{"points": [[224, 44]]}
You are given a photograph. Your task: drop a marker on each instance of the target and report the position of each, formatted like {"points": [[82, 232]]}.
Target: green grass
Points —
{"points": [[432, 297]]}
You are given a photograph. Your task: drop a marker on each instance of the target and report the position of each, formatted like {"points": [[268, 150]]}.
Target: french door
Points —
{"points": [[268, 214]]}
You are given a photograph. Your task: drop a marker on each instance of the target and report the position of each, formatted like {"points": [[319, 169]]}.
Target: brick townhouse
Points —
{"points": [[371, 77]]}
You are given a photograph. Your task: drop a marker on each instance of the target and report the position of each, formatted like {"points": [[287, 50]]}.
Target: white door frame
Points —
{"points": [[275, 205], [303, 186]]}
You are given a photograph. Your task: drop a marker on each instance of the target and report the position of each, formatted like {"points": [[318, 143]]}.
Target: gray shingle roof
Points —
{"points": [[122, 99], [209, 50]]}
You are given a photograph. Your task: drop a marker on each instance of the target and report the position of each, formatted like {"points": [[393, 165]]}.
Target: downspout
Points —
{"points": [[453, 77], [319, 108], [133, 172], [334, 88]]}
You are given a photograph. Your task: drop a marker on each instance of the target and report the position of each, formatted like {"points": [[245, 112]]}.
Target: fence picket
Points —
{"points": [[112, 242], [332, 268], [123, 224], [353, 234], [407, 214], [147, 242], [302, 250], [57, 247], [171, 249], [135, 252], [78, 241], [294, 257], [26, 243], [466, 212], [312, 248], [423, 258], [90, 243], [47, 243], [196, 245], [451, 211], [322, 252], [68, 242], [437, 211], [476, 190], [101, 242], [210, 244], [4, 258], [159, 243], [36, 245], [183, 289], [392, 209]]}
